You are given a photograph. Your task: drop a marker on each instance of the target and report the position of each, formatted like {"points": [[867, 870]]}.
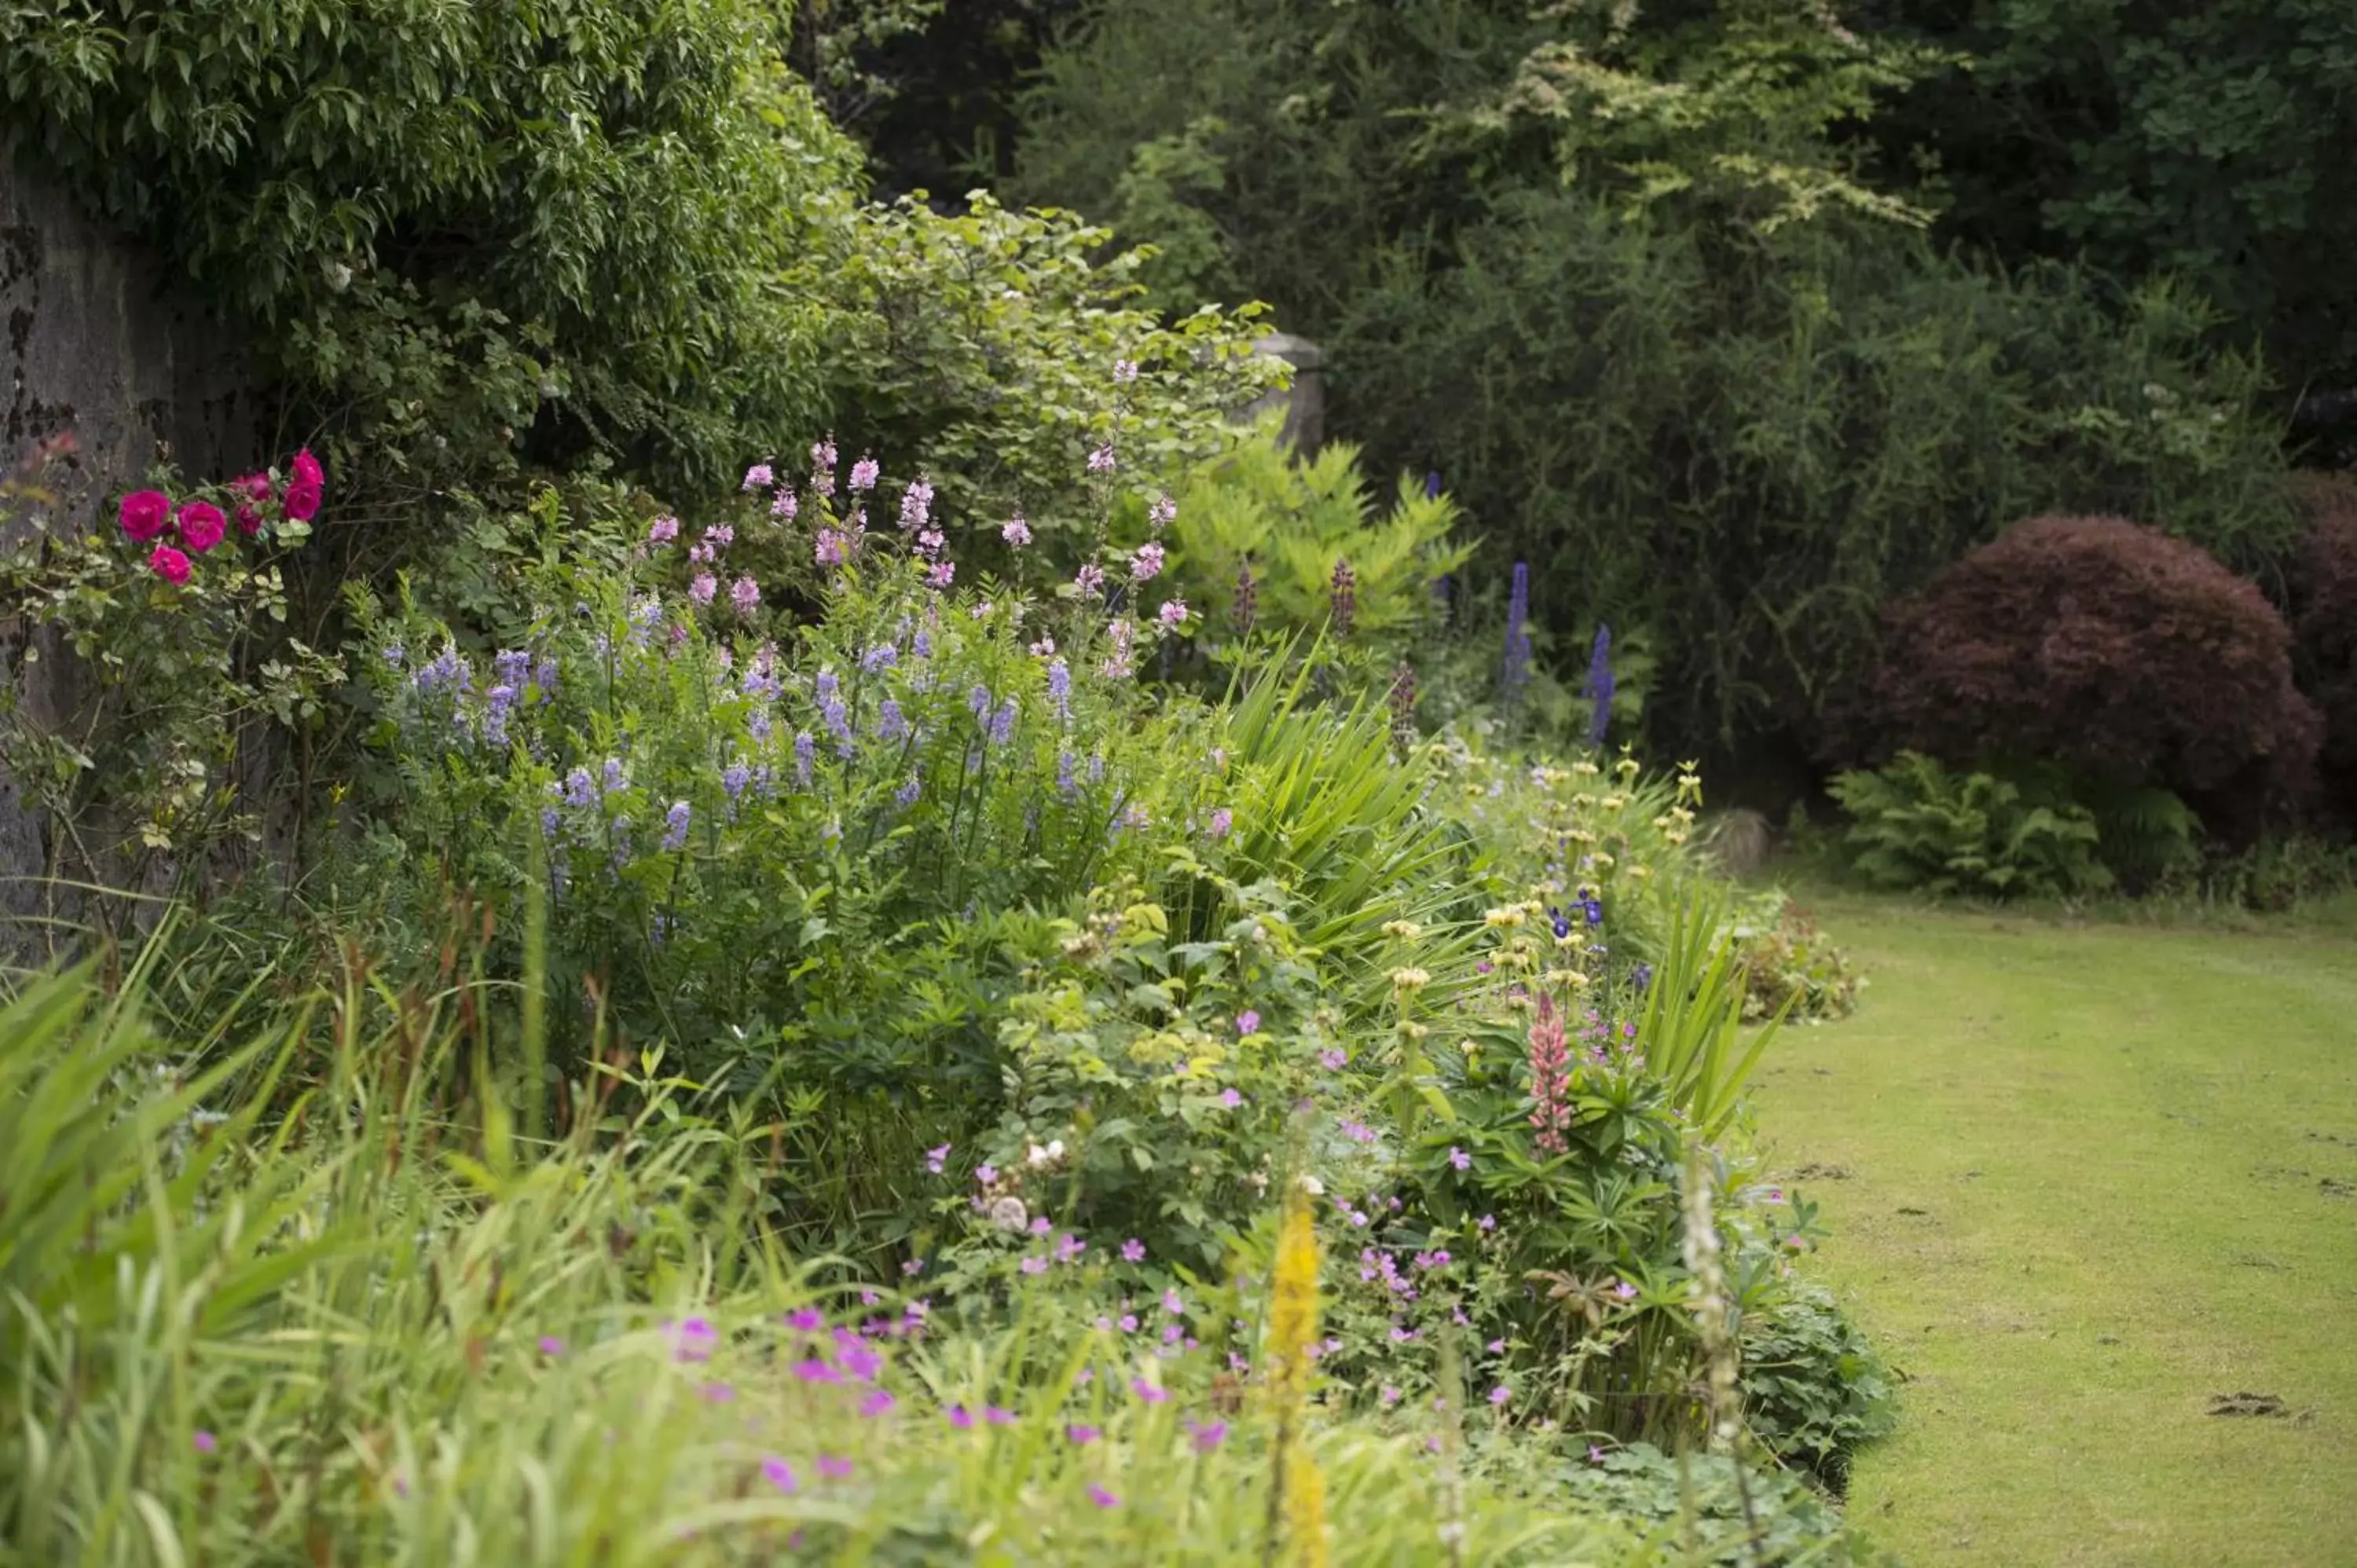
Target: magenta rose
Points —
{"points": [[201, 525], [146, 513], [303, 500], [169, 564], [307, 470], [253, 486], [248, 521]]}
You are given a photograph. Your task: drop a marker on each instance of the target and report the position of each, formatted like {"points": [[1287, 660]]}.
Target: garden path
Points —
{"points": [[2082, 1181]]}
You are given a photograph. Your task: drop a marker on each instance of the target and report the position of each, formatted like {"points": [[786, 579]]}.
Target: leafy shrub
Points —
{"points": [[1814, 1390], [1792, 968], [2324, 627], [1915, 825], [995, 349], [467, 233], [2112, 649], [1700, 1506], [158, 638], [1257, 516]]}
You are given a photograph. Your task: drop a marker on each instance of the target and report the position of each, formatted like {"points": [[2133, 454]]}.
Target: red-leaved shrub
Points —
{"points": [[2324, 625], [2112, 648]]}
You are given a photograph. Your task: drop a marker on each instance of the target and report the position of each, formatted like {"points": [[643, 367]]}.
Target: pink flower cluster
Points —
{"points": [[1550, 1077], [149, 516]]}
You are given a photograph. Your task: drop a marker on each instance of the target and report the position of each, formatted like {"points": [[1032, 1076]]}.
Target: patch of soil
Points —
{"points": [[2248, 1404]]}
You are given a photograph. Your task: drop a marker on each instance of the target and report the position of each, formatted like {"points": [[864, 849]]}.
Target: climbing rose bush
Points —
{"points": [[170, 618]]}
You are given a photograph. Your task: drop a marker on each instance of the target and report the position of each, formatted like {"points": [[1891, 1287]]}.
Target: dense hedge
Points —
{"points": [[2110, 648]]}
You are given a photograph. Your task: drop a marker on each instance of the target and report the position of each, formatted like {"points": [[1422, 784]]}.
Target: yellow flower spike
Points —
{"points": [[1293, 1314], [1613, 802], [1586, 770], [1567, 977], [1305, 1508], [1409, 980]]}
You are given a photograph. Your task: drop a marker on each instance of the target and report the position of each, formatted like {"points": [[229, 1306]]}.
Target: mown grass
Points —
{"points": [[2079, 1179]]}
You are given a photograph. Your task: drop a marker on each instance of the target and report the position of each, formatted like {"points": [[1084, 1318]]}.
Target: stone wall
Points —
{"points": [[95, 341]]}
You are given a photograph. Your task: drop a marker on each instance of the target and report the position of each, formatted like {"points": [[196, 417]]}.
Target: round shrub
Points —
{"points": [[2113, 649], [2324, 625]]}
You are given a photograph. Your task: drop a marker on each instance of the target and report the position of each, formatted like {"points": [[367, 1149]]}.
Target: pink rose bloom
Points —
{"points": [[145, 513], [169, 564], [248, 520], [253, 486], [303, 499], [201, 525], [307, 470]]}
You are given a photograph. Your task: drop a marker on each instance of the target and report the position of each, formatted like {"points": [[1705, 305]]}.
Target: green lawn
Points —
{"points": [[2080, 1179]]}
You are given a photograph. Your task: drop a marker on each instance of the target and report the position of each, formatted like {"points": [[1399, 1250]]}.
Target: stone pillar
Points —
{"points": [[1305, 402]]}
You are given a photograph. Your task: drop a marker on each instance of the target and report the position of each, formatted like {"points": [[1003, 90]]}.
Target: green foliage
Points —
{"points": [[462, 231], [1681, 357], [1916, 825], [1291, 522], [2152, 139], [1815, 1389], [984, 347], [1701, 1503], [1791, 967]]}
